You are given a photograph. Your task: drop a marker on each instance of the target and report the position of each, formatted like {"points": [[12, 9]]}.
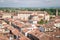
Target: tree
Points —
{"points": [[46, 21], [41, 22]]}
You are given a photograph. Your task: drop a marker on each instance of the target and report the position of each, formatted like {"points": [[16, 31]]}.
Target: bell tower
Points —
{"points": [[56, 12]]}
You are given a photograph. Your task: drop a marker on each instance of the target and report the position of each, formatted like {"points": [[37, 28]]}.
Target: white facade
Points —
{"points": [[6, 15], [36, 18], [47, 17], [15, 17], [57, 25], [41, 14], [23, 16], [35, 14], [34, 22]]}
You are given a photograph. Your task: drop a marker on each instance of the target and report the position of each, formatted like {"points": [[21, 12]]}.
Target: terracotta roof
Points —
{"points": [[45, 37], [15, 32], [49, 25], [25, 30], [18, 24], [8, 26], [36, 33], [3, 38], [24, 38], [57, 20], [5, 25], [57, 17], [40, 16]]}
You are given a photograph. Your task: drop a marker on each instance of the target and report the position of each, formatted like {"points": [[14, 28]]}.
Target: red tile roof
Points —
{"points": [[24, 38]]}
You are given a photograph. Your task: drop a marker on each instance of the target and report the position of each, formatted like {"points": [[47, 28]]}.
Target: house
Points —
{"points": [[6, 15]]}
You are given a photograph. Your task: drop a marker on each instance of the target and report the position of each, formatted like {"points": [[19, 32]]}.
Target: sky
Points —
{"points": [[30, 3]]}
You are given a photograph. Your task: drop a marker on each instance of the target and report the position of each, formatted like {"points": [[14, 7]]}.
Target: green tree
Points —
{"points": [[41, 22], [46, 21]]}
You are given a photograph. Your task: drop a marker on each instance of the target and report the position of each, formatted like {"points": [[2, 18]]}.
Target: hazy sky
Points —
{"points": [[29, 3]]}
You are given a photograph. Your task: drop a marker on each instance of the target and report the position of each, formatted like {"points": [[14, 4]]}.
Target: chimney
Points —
{"points": [[56, 12]]}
